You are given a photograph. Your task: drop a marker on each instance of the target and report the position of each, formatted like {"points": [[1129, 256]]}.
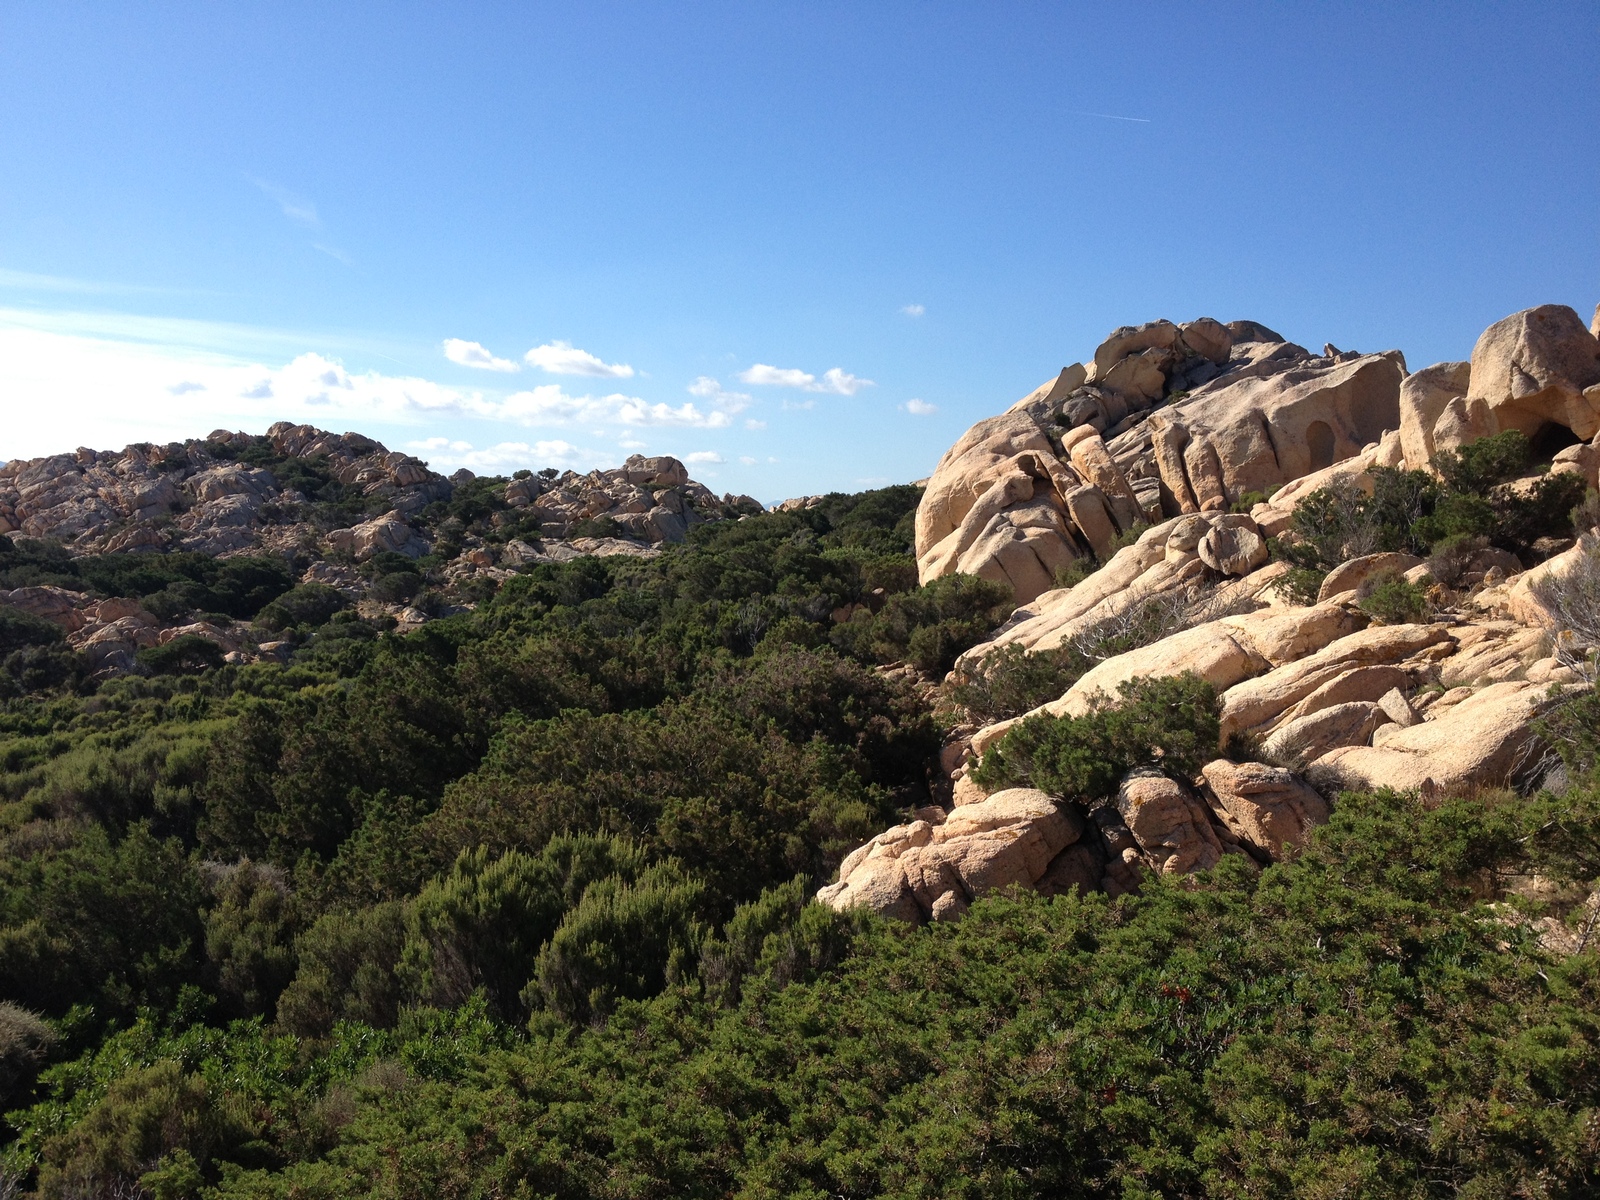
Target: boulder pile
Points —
{"points": [[205, 497], [1170, 462]]}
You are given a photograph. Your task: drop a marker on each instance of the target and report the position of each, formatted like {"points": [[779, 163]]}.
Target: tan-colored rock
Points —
{"points": [[1398, 708], [919, 871], [1088, 454], [1490, 652], [987, 452], [1582, 460], [1042, 398], [1169, 822], [1349, 576], [1486, 740], [1081, 866], [1533, 367], [1255, 703], [1369, 684], [1307, 738], [1208, 338], [1131, 339], [1214, 651], [1269, 807], [1423, 397], [57, 605], [1233, 550], [1279, 422], [1091, 513], [1205, 475]]}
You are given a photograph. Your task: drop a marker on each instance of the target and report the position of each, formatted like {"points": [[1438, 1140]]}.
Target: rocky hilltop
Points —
{"points": [[322, 519], [1382, 578]]}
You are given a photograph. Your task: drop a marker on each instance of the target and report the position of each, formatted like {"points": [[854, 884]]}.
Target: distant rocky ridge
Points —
{"points": [[1156, 461], [328, 504]]}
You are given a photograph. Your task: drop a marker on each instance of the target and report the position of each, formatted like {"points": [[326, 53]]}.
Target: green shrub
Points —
{"points": [[1168, 722], [1011, 680], [483, 925], [1480, 465], [305, 606], [188, 654], [624, 941], [20, 629], [25, 1041], [346, 972], [1393, 600]]}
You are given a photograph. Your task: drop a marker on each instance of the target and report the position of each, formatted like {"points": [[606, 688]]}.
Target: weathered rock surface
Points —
{"points": [[1533, 368], [1167, 420], [1267, 807], [1486, 740], [920, 872], [1171, 825], [196, 497]]}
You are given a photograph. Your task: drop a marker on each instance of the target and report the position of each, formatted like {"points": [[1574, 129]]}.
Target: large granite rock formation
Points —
{"points": [[1166, 420]]}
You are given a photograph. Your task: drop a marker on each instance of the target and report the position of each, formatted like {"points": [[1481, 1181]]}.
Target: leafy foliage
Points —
{"points": [[1171, 722]]}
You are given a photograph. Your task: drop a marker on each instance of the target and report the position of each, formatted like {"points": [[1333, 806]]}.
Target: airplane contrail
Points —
{"points": [[1111, 117]]}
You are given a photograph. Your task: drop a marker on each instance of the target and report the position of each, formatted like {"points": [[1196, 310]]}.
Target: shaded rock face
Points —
{"points": [[1166, 420]]}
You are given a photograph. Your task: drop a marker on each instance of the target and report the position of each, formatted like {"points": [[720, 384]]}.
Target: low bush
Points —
{"points": [[188, 654], [304, 607], [1391, 599], [1170, 722]]}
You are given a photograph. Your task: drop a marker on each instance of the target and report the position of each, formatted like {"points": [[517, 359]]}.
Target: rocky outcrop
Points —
{"points": [[1534, 369], [1167, 420], [206, 497], [1156, 431], [1266, 807], [921, 871]]}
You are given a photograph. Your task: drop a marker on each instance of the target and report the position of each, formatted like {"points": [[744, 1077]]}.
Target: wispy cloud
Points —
{"points": [[474, 354], [444, 453], [711, 389], [296, 208], [913, 310], [334, 253], [563, 358], [834, 380], [920, 408], [549, 404], [763, 375], [27, 281], [704, 456]]}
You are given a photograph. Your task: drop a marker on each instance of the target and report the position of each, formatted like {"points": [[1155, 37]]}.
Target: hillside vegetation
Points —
{"points": [[518, 905]]}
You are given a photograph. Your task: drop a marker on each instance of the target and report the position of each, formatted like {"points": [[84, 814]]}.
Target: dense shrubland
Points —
{"points": [[517, 904]]}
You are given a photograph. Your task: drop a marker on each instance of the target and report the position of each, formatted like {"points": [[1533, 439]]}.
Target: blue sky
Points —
{"points": [[365, 215]]}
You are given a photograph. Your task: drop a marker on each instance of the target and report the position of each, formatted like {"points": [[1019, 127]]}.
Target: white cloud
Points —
{"points": [[548, 404], [445, 454], [474, 354], [834, 380], [766, 376], [704, 456], [563, 358], [187, 386], [920, 408], [841, 383], [913, 310], [712, 390], [747, 460], [298, 210], [752, 423], [631, 443]]}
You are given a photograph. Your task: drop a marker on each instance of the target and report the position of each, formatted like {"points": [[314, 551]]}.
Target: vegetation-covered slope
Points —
{"points": [[516, 904]]}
